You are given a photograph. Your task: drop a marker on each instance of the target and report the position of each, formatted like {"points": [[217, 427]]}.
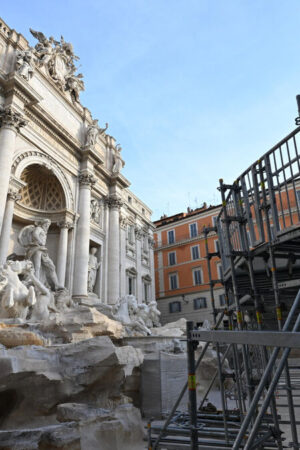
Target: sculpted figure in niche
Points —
{"points": [[93, 269], [33, 238], [117, 162], [24, 61], [95, 211]]}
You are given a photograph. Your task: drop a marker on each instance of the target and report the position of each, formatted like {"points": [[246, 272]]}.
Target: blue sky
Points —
{"points": [[193, 90]]}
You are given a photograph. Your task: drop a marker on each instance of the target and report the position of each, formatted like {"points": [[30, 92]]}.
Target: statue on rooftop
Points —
{"points": [[58, 58]]}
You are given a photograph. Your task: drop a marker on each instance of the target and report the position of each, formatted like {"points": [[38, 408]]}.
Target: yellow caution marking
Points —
{"points": [[239, 317], [192, 382], [278, 313], [258, 317]]}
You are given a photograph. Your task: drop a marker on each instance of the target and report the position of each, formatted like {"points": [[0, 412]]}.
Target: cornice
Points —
{"points": [[14, 84]]}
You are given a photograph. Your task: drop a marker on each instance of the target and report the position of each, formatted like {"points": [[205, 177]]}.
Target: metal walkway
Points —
{"points": [[257, 331]]}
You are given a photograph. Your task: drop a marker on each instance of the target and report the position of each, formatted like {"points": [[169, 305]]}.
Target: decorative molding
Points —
{"points": [[146, 278], [12, 119], [65, 224], [138, 232], [131, 271], [112, 201], [123, 222], [13, 195], [151, 242], [87, 179]]}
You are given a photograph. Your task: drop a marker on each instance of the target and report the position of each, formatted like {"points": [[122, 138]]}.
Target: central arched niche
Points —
{"points": [[42, 197], [43, 191]]}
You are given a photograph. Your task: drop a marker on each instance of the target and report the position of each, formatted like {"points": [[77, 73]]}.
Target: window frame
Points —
{"points": [[190, 227], [175, 259], [192, 256], [202, 300], [168, 236], [195, 270], [176, 302], [174, 274]]}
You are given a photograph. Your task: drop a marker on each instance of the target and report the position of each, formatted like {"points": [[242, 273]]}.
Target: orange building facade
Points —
{"points": [[181, 274]]}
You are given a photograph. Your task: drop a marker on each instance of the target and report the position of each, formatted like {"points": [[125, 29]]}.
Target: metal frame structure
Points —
{"points": [[258, 230]]}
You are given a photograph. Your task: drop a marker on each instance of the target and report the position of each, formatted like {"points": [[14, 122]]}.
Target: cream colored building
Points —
{"points": [[57, 163]]}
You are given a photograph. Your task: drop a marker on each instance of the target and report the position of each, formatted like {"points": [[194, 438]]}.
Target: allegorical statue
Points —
{"points": [[93, 269], [24, 63], [33, 238], [118, 163]]}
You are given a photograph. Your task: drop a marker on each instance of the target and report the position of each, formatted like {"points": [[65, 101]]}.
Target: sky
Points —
{"points": [[193, 90]]}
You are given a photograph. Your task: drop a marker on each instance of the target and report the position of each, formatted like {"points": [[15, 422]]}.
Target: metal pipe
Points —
{"points": [[214, 379], [263, 381], [192, 386], [271, 390], [182, 392]]}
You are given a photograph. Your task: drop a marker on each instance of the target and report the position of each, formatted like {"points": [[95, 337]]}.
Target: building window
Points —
{"points": [[298, 197], [214, 221], [220, 271], [131, 285], [172, 258], [129, 199], [146, 292], [193, 230], [130, 234], [195, 252], [173, 278], [217, 247], [143, 211], [200, 303], [171, 237], [131, 280], [197, 277], [222, 300], [174, 307]]}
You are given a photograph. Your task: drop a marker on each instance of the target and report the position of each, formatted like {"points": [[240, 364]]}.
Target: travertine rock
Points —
{"points": [[14, 336], [79, 323], [175, 329], [34, 380], [121, 429]]}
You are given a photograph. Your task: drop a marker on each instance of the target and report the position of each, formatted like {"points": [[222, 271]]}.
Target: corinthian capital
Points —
{"points": [[13, 195], [87, 180], [12, 119], [112, 201], [65, 224]]}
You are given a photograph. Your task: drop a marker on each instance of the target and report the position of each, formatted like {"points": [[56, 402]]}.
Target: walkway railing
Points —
{"points": [[269, 190]]}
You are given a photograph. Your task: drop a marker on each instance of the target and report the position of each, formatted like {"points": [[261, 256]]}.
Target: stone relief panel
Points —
{"points": [[97, 212]]}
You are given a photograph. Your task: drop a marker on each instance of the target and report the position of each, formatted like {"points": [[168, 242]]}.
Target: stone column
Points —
{"points": [[62, 252], [12, 196], [113, 291], [83, 237], [105, 254], [151, 243], [139, 285], [11, 122], [123, 243]]}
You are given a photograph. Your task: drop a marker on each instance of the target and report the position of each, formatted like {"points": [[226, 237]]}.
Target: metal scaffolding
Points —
{"points": [[258, 230]]}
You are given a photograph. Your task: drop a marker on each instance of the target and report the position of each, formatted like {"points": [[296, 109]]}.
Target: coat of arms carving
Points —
{"points": [[58, 59]]}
